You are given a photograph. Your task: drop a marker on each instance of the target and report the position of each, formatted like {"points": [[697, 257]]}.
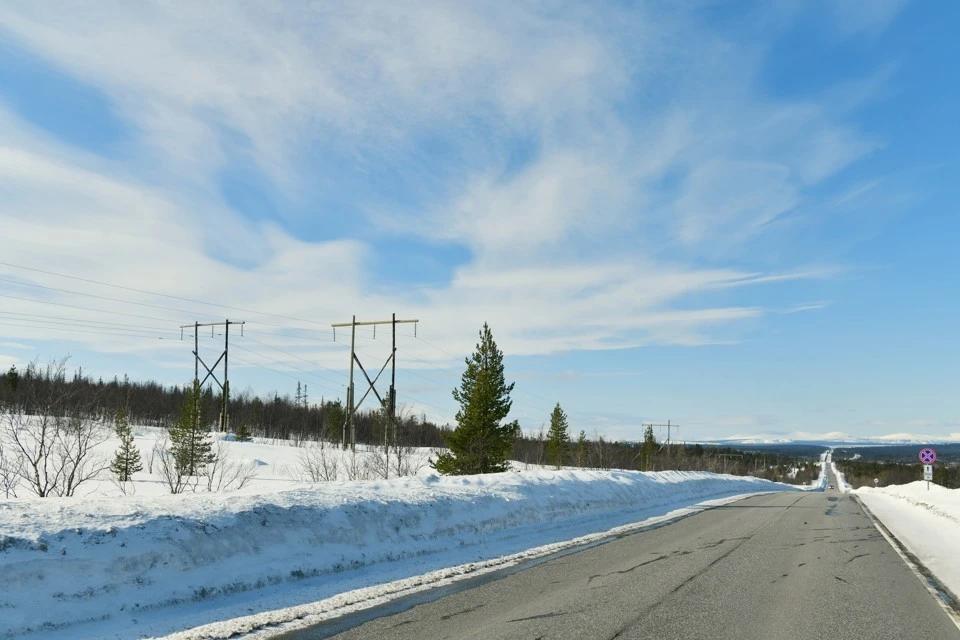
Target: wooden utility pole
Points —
{"points": [[349, 437], [669, 425], [225, 385]]}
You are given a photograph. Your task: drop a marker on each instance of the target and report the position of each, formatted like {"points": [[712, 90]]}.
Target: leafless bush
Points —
{"points": [[176, 481], [377, 464], [318, 463], [224, 474], [127, 487], [406, 461], [52, 455], [355, 467], [599, 453], [10, 466], [297, 437], [49, 436], [150, 460]]}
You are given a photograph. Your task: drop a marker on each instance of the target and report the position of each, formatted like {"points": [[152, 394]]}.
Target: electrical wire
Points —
{"points": [[315, 364], [102, 333], [92, 322], [154, 293], [73, 306]]}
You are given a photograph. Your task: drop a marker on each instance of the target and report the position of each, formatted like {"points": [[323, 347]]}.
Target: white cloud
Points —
{"points": [[646, 132]]}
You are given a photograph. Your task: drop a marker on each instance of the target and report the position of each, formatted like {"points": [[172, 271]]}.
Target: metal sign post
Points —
{"points": [[928, 456]]}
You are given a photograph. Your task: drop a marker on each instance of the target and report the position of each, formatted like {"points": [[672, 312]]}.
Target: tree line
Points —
{"points": [[481, 441], [869, 473]]}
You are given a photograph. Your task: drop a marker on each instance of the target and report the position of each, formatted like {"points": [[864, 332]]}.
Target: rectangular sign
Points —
{"points": [[928, 472]]}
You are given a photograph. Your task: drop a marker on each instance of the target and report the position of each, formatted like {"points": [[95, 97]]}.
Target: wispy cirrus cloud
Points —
{"points": [[613, 164]]}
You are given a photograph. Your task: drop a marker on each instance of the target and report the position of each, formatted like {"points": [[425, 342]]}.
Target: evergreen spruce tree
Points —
{"points": [[648, 450], [13, 378], [189, 439], [581, 448], [480, 443], [242, 433], [126, 461], [557, 437]]}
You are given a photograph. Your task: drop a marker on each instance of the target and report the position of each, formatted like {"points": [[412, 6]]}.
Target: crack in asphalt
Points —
{"points": [[741, 542], [633, 568], [461, 612], [554, 614]]}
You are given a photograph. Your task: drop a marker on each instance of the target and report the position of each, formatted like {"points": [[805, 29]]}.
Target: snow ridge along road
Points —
{"points": [[774, 567], [134, 567]]}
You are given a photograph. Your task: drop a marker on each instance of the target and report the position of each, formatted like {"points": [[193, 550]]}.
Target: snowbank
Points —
{"points": [[99, 567], [927, 522]]}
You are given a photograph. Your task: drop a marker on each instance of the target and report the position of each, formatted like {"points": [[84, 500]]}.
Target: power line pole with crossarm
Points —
{"points": [[349, 434], [224, 355]]}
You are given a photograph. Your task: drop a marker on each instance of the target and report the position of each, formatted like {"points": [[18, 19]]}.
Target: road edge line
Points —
{"points": [[947, 600]]}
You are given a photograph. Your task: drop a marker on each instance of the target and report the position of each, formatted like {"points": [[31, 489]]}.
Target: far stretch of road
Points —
{"points": [[782, 566]]}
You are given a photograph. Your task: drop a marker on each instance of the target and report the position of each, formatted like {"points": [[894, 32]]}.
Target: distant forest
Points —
{"points": [[870, 473], [295, 419]]}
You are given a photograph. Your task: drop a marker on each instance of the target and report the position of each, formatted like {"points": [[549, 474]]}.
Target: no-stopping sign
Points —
{"points": [[928, 456]]}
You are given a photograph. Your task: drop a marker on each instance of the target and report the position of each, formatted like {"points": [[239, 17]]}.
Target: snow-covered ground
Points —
{"points": [[151, 565], [926, 521], [264, 464], [137, 561]]}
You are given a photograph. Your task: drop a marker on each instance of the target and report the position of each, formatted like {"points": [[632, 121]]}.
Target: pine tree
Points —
{"points": [[581, 448], [242, 433], [480, 443], [189, 439], [648, 450], [126, 461], [557, 437], [13, 378]]}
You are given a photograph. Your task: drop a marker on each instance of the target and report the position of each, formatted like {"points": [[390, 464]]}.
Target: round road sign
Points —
{"points": [[928, 456]]}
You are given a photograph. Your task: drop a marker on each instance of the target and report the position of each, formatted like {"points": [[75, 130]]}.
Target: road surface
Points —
{"points": [[781, 566]]}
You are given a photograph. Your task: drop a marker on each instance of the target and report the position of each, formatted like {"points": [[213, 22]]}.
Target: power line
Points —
{"points": [[73, 306], [87, 326], [269, 346], [108, 298], [102, 333], [286, 364], [282, 373], [95, 322], [162, 295]]}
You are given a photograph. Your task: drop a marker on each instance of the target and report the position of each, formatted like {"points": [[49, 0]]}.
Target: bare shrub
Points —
{"points": [[355, 468], [406, 461], [224, 474], [52, 453], [173, 477], [377, 464], [126, 487], [600, 456], [10, 466], [319, 463], [150, 460]]}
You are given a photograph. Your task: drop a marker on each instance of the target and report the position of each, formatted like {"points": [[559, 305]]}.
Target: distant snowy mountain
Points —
{"points": [[839, 438]]}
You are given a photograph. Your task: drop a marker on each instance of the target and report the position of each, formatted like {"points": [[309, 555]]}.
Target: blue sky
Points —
{"points": [[736, 216]]}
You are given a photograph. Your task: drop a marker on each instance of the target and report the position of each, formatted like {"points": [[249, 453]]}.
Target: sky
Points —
{"points": [[736, 216]]}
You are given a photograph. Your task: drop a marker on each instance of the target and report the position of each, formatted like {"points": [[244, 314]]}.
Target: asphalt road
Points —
{"points": [[783, 566]]}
